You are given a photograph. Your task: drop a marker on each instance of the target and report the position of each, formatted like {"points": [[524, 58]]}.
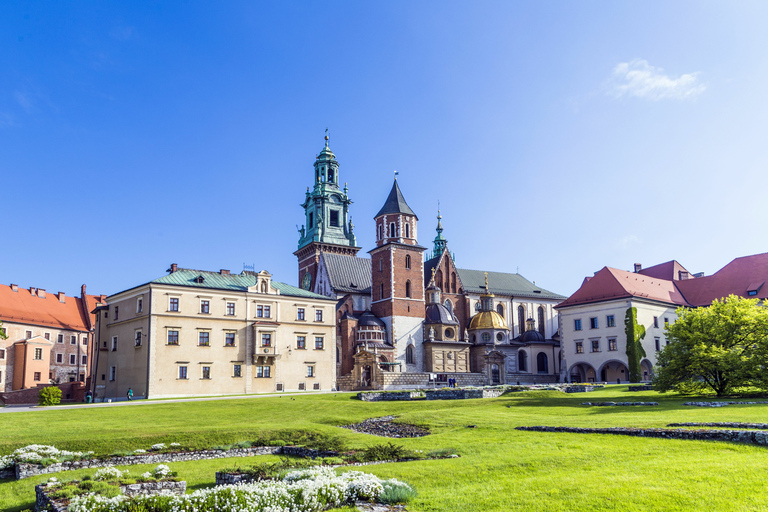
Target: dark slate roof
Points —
{"points": [[439, 314], [502, 283], [368, 319], [233, 282], [348, 274], [395, 203]]}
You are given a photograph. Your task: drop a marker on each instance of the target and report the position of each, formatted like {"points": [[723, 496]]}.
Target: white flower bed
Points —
{"points": [[35, 453], [310, 490], [109, 473]]}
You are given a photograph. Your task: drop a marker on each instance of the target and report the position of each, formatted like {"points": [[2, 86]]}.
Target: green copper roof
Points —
{"points": [[233, 282], [501, 283], [395, 203]]}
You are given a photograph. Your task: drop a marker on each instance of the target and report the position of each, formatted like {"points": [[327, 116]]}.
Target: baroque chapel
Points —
{"points": [[407, 316]]}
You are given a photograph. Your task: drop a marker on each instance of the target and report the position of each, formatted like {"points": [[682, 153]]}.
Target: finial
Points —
{"points": [[486, 281], [434, 269], [326, 137], [396, 173]]}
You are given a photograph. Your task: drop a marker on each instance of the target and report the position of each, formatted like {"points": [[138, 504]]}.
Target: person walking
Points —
{"points": [[130, 394]]}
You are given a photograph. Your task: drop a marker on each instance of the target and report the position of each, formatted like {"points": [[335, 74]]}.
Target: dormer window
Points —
{"points": [[199, 279], [753, 289]]}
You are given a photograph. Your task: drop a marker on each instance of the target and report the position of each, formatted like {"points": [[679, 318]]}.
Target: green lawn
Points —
{"points": [[499, 468]]}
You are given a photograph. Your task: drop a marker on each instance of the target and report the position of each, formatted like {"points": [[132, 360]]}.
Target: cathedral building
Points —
{"points": [[407, 315]]}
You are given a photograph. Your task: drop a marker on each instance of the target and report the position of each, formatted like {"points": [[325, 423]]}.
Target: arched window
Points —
{"points": [[379, 231], [495, 374], [407, 231], [408, 261], [338, 355], [439, 280], [408, 289], [542, 363], [500, 309], [521, 318], [409, 354], [449, 305], [391, 230], [522, 361], [453, 282], [381, 291], [541, 320]]}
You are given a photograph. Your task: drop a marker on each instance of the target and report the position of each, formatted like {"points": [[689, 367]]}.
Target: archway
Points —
{"points": [[614, 371], [522, 361], [582, 372], [646, 370], [495, 379], [542, 363]]}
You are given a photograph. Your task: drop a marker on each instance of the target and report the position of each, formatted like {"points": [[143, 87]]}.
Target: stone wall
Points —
{"points": [[28, 470], [43, 502], [734, 436], [389, 396], [70, 392], [395, 380]]}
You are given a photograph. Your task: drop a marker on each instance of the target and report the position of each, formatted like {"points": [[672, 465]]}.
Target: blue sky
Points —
{"points": [[559, 137]]}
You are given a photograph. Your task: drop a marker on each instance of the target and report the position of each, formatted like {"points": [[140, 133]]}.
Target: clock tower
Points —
{"points": [[328, 226]]}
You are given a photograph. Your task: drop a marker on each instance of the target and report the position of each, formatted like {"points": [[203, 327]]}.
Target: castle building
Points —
{"points": [[49, 337], [195, 332], [592, 319], [407, 315]]}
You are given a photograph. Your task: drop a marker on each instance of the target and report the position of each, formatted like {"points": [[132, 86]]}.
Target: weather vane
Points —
{"points": [[396, 173]]}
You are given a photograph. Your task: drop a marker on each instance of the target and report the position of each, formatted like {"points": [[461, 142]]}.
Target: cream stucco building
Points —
{"points": [[195, 332]]}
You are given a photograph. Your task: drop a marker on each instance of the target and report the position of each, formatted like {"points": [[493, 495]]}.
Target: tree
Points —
{"points": [[719, 347], [3, 336], [50, 395], [635, 351]]}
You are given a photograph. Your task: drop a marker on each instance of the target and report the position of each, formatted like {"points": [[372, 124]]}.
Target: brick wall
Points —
{"points": [[70, 392]]}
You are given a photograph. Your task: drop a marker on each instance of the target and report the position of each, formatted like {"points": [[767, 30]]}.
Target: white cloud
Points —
{"points": [[625, 242], [639, 79]]}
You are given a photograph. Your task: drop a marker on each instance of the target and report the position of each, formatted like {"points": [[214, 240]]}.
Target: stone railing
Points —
{"points": [[25, 470], [44, 502], [733, 436]]}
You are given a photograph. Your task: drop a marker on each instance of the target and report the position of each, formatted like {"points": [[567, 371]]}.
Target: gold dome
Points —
{"points": [[487, 320]]}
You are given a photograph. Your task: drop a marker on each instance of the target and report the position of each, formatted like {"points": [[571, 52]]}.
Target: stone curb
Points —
{"points": [[733, 436]]}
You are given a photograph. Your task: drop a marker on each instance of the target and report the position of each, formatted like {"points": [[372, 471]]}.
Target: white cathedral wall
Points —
{"points": [[407, 331]]}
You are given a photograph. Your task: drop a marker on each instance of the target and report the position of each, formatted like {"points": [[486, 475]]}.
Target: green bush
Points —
{"points": [[387, 451], [396, 493], [277, 442], [50, 395]]}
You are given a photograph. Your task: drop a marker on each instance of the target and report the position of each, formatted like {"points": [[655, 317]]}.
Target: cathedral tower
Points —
{"points": [[397, 291], [328, 226]]}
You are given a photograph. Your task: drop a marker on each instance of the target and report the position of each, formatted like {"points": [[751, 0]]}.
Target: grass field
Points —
{"points": [[499, 469]]}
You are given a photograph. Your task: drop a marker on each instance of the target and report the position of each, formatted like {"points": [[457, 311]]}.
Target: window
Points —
{"points": [[391, 229], [655, 321], [2, 353], [579, 347], [37, 377], [301, 342], [302, 386], [318, 315], [408, 232], [263, 311], [231, 308], [173, 304], [72, 359], [263, 372], [85, 340], [318, 343], [311, 222], [541, 320], [593, 323], [205, 307], [116, 312], [500, 309], [84, 360], [112, 373], [521, 318], [139, 304], [229, 339], [47, 335], [378, 231], [542, 363], [658, 343], [173, 337], [183, 372], [577, 324], [595, 345], [137, 339], [334, 218], [499, 336], [206, 372], [408, 289], [237, 370], [204, 339], [486, 337], [29, 334], [267, 312], [300, 314], [39, 354], [612, 345], [666, 342], [408, 261], [381, 291], [751, 293], [59, 358], [666, 322], [2, 331], [409, 355], [381, 264], [522, 361], [610, 321], [266, 339], [310, 370], [60, 338], [73, 340]]}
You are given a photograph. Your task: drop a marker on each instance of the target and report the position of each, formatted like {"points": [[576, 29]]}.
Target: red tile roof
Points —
{"points": [[24, 307], [738, 277]]}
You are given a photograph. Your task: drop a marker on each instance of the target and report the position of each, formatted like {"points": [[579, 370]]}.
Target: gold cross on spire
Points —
{"points": [[486, 281]]}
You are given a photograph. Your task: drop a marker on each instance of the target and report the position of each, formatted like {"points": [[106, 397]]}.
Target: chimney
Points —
{"points": [[173, 268], [699, 274], [224, 272], [683, 274], [82, 292], [15, 287], [41, 293], [638, 267], [61, 297], [32, 290]]}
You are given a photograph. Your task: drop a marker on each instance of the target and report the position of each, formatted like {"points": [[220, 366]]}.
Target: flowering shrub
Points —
{"points": [[310, 490], [139, 450], [163, 471], [174, 445], [157, 447], [109, 473], [38, 453]]}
